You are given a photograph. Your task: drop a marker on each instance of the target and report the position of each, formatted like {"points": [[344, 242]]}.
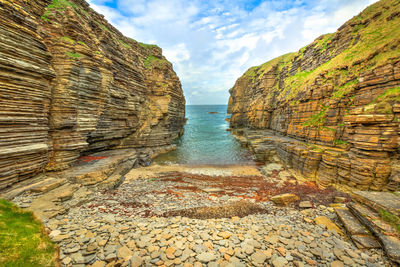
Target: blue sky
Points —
{"points": [[211, 43]]}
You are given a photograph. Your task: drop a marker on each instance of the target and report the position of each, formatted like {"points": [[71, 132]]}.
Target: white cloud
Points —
{"points": [[211, 43]]}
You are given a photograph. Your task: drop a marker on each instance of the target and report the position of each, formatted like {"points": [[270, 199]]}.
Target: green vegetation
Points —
{"points": [[375, 42], [124, 44], [252, 73], [390, 218], [22, 239], [101, 26], [67, 40], [74, 55], [384, 103], [152, 61], [318, 119], [316, 148], [56, 5], [324, 40], [147, 45], [279, 62], [344, 89], [82, 43], [161, 84], [340, 142]]}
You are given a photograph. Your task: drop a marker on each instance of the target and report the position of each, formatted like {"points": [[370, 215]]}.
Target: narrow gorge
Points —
{"points": [[105, 163], [330, 111]]}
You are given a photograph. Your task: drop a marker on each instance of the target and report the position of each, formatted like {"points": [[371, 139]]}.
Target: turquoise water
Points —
{"points": [[206, 140]]}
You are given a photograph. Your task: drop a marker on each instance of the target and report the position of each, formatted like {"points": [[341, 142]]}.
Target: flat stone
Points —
{"points": [[124, 253], [248, 249], [54, 233], [99, 264], [336, 264], [206, 257], [279, 262], [284, 199], [305, 205], [385, 200], [391, 245], [339, 199], [258, 257], [136, 261], [77, 258], [66, 260], [322, 220], [212, 190], [350, 222], [365, 241]]}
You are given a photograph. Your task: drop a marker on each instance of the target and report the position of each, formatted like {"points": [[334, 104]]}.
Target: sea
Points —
{"points": [[206, 140]]}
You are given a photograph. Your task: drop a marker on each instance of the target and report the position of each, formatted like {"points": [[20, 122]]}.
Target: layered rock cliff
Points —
{"points": [[331, 110], [71, 84]]}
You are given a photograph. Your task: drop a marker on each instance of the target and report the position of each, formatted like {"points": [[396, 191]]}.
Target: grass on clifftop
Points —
{"points": [[22, 240], [152, 61], [56, 5]]}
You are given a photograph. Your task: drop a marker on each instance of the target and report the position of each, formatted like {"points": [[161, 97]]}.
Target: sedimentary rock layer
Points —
{"points": [[333, 107], [71, 84]]}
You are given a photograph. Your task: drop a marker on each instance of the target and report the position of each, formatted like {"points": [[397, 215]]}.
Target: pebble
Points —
{"points": [[127, 226]]}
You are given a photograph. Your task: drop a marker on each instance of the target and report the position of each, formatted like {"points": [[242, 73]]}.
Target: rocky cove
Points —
{"points": [[85, 110]]}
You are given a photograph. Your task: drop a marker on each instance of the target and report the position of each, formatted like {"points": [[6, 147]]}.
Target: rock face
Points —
{"points": [[71, 84], [331, 110]]}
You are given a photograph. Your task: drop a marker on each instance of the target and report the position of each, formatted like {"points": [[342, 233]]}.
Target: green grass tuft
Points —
{"points": [[67, 40], [56, 5], [317, 120], [340, 142], [101, 26], [22, 239], [83, 43], [383, 104], [147, 46], [390, 218], [124, 44], [152, 61], [74, 55]]}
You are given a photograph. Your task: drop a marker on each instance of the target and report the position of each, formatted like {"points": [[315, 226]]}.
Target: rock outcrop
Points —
{"points": [[71, 84], [331, 110]]}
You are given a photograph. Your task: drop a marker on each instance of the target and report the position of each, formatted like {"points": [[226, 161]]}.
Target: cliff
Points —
{"points": [[71, 84], [331, 110]]}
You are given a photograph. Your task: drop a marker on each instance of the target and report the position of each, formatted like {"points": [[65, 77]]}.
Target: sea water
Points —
{"points": [[206, 139]]}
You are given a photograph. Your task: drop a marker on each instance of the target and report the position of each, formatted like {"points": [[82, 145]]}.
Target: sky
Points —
{"points": [[212, 43]]}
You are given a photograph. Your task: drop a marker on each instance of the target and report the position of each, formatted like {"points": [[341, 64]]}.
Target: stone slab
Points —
{"points": [[380, 200]]}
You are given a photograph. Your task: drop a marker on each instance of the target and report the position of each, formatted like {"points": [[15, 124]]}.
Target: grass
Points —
{"points": [[101, 26], [375, 42], [340, 142], [317, 120], [323, 41], [383, 104], [22, 239], [343, 90], [83, 43], [161, 84], [73, 55], [67, 40], [124, 44], [152, 61], [279, 62], [390, 218], [147, 46], [56, 5]]}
